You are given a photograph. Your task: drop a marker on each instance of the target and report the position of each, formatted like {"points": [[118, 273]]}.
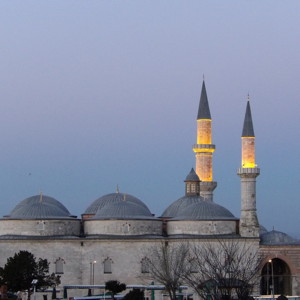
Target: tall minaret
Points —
{"points": [[249, 226], [204, 148]]}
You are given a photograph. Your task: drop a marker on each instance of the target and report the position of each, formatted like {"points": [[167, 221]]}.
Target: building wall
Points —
{"points": [[123, 227], [79, 254], [46, 227], [290, 254]]}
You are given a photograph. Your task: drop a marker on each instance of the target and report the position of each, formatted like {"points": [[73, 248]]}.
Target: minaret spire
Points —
{"points": [[248, 172], [204, 147]]}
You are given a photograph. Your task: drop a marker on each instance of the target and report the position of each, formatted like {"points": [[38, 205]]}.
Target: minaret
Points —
{"points": [[204, 148], [249, 226]]}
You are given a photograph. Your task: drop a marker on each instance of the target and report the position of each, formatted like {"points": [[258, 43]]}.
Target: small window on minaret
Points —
{"points": [[188, 188], [193, 186]]}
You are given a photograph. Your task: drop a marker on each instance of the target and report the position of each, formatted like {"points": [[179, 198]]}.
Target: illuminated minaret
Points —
{"points": [[249, 226], [204, 148]]}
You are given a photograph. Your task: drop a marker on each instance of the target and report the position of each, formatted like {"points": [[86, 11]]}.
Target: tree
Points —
{"points": [[168, 265], [21, 269], [135, 294], [224, 268], [115, 287]]}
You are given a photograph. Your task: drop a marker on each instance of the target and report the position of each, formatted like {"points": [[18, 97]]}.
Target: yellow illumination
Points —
{"points": [[248, 152], [249, 165], [204, 120], [197, 150]]}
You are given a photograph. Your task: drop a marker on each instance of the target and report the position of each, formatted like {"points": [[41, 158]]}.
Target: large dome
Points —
{"points": [[110, 199], [174, 210], [195, 208], [204, 210], [39, 207], [123, 210]]}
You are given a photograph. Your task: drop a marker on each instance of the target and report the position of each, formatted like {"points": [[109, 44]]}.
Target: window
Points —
{"points": [[59, 266], [145, 265], [107, 265], [41, 225], [193, 265]]}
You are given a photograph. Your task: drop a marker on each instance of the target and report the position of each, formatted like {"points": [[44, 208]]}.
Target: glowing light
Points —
{"points": [[204, 120]]}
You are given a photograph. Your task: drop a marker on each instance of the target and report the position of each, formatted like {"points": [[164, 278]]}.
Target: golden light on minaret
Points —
{"points": [[248, 225], [248, 152], [204, 147], [248, 141]]}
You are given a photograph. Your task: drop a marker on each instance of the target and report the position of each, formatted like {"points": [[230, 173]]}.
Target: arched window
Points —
{"points": [[193, 265], [107, 265], [145, 265], [276, 272], [59, 266]]}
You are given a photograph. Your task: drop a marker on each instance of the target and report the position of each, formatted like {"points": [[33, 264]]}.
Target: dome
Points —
{"points": [[195, 208], [262, 229], [205, 210], [113, 198], [123, 210], [39, 207], [175, 209], [277, 238]]}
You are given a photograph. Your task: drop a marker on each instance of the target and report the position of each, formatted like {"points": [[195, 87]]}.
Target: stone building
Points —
{"points": [[110, 239]]}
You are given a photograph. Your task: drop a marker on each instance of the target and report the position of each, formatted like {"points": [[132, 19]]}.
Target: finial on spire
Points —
{"points": [[248, 97], [203, 77], [41, 197], [117, 190]]}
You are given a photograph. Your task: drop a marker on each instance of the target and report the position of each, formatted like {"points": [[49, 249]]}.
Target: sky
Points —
{"points": [[95, 94]]}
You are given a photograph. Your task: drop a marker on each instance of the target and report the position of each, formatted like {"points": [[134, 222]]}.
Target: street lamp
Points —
{"points": [[272, 275], [92, 272], [34, 283]]}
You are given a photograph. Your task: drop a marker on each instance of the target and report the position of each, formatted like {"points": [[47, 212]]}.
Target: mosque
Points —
{"points": [[109, 236]]}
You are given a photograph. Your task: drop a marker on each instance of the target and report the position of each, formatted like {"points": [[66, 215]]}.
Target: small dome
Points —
{"points": [[192, 176], [277, 238], [262, 229], [205, 210], [123, 210], [39, 207], [112, 198], [175, 209]]}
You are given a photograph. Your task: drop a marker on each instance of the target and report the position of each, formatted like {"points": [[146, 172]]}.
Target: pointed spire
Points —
{"points": [[117, 190], [192, 176], [203, 112], [41, 197], [248, 130]]}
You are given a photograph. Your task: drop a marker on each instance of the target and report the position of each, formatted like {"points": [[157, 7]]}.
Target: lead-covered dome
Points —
{"points": [[121, 214], [39, 207], [277, 238], [174, 210], [41, 216], [123, 210], [101, 202], [204, 210]]}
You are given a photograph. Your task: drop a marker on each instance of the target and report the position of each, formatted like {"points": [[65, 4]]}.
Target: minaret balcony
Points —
{"points": [[204, 148], [245, 171]]}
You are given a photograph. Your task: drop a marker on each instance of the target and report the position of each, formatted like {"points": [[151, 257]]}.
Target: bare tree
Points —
{"points": [[168, 266], [223, 268]]}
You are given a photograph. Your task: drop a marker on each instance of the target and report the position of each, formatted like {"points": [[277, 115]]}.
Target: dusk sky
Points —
{"points": [[96, 94]]}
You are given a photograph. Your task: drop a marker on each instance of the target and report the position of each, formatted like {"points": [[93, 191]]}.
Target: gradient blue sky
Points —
{"points": [[99, 93]]}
